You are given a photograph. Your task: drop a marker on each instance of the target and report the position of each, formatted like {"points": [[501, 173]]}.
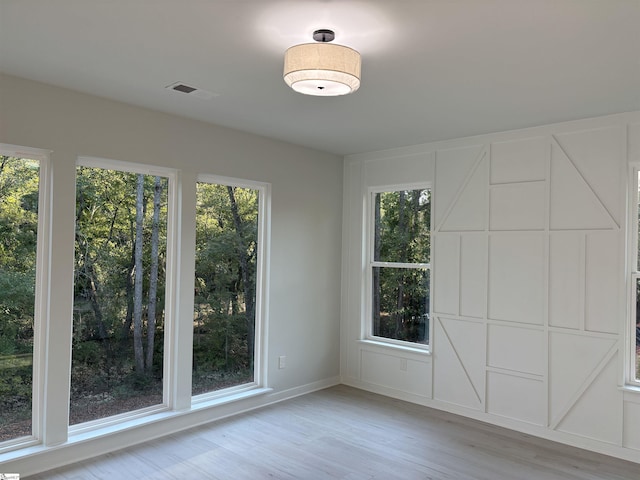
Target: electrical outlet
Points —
{"points": [[282, 361]]}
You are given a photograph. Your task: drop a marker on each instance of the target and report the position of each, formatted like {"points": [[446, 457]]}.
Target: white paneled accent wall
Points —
{"points": [[528, 313]]}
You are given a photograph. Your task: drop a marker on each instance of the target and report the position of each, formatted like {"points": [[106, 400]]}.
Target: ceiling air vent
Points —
{"points": [[191, 91]]}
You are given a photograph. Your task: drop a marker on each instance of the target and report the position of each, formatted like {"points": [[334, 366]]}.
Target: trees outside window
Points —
{"points": [[227, 224], [634, 324], [129, 308], [19, 199], [119, 292], [400, 249]]}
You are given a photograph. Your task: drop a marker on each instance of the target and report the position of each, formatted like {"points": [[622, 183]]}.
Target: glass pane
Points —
{"points": [[402, 221], [119, 292], [401, 304], [225, 287], [19, 186], [637, 357]]}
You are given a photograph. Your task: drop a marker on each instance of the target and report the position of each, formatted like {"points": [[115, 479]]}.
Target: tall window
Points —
{"points": [[119, 292], [634, 370], [19, 200], [399, 265], [227, 262]]}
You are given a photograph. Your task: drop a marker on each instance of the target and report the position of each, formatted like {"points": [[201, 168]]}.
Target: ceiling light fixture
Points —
{"points": [[322, 69]]}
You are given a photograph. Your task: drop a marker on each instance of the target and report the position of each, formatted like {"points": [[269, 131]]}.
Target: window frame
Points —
{"points": [[41, 293], [262, 260], [370, 263], [52, 312], [633, 276], [170, 351]]}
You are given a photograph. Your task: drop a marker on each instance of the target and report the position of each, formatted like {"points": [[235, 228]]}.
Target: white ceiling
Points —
{"points": [[431, 69]]}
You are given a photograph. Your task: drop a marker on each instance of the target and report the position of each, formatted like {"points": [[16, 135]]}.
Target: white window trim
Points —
{"points": [[370, 263], [632, 276], [171, 293], [177, 398], [262, 294], [42, 291]]}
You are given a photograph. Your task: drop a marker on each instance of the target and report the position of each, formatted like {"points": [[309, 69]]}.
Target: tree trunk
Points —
{"points": [[137, 290], [153, 274], [129, 287], [247, 284]]}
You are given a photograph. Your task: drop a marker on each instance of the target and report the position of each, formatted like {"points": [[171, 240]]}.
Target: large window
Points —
{"points": [[399, 268], [19, 206], [119, 292], [104, 326], [634, 324], [226, 269]]}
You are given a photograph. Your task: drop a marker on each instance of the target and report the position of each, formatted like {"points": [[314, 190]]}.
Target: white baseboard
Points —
{"points": [[572, 440], [386, 391]]}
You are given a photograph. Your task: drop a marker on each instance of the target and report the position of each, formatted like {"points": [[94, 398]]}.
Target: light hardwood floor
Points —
{"points": [[346, 433]]}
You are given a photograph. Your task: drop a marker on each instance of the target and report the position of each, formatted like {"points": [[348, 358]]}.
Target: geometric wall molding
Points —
{"points": [[400, 374], [567, 279], [584, 280], [522, 160], [518, 206], [515, 348], [473, 274], [574, 203], [459, 170], [527, 280], [602, 282], [631, 432], [454, 168], [468, 211], [602, 396], [516, 277], [599, 155], [575, 362], [459, 362], [516, 397], [446, 266]]}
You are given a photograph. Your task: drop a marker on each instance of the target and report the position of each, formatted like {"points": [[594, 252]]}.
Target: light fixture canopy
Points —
{"points": [[322, 69]]}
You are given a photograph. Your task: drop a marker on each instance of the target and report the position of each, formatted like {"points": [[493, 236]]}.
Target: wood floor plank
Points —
{"points": [[348, 434]]}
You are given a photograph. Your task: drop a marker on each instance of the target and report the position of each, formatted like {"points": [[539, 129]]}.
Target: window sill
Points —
{"points": [[82, 435], [209, 401], [631, 393], [424, 351]]}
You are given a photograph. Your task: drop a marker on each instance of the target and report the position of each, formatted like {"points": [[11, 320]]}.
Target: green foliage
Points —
{"points": [[224, 317], [401, 235], [103, 368], [18, 233], [403, 230], [102, 360]]}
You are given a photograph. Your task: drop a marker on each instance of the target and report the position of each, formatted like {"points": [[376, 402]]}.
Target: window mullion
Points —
{"points": [[179, 361]]}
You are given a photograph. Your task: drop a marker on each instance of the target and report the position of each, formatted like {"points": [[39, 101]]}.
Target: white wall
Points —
{"points": [[529, 305], [306, 186]]}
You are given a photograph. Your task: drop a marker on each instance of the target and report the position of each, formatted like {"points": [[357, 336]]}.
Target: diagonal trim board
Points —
{"points": [[599, 154], [469, 212], [479, 160], [460, 361], [577, 195], [584, 386], [452, 165]]}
